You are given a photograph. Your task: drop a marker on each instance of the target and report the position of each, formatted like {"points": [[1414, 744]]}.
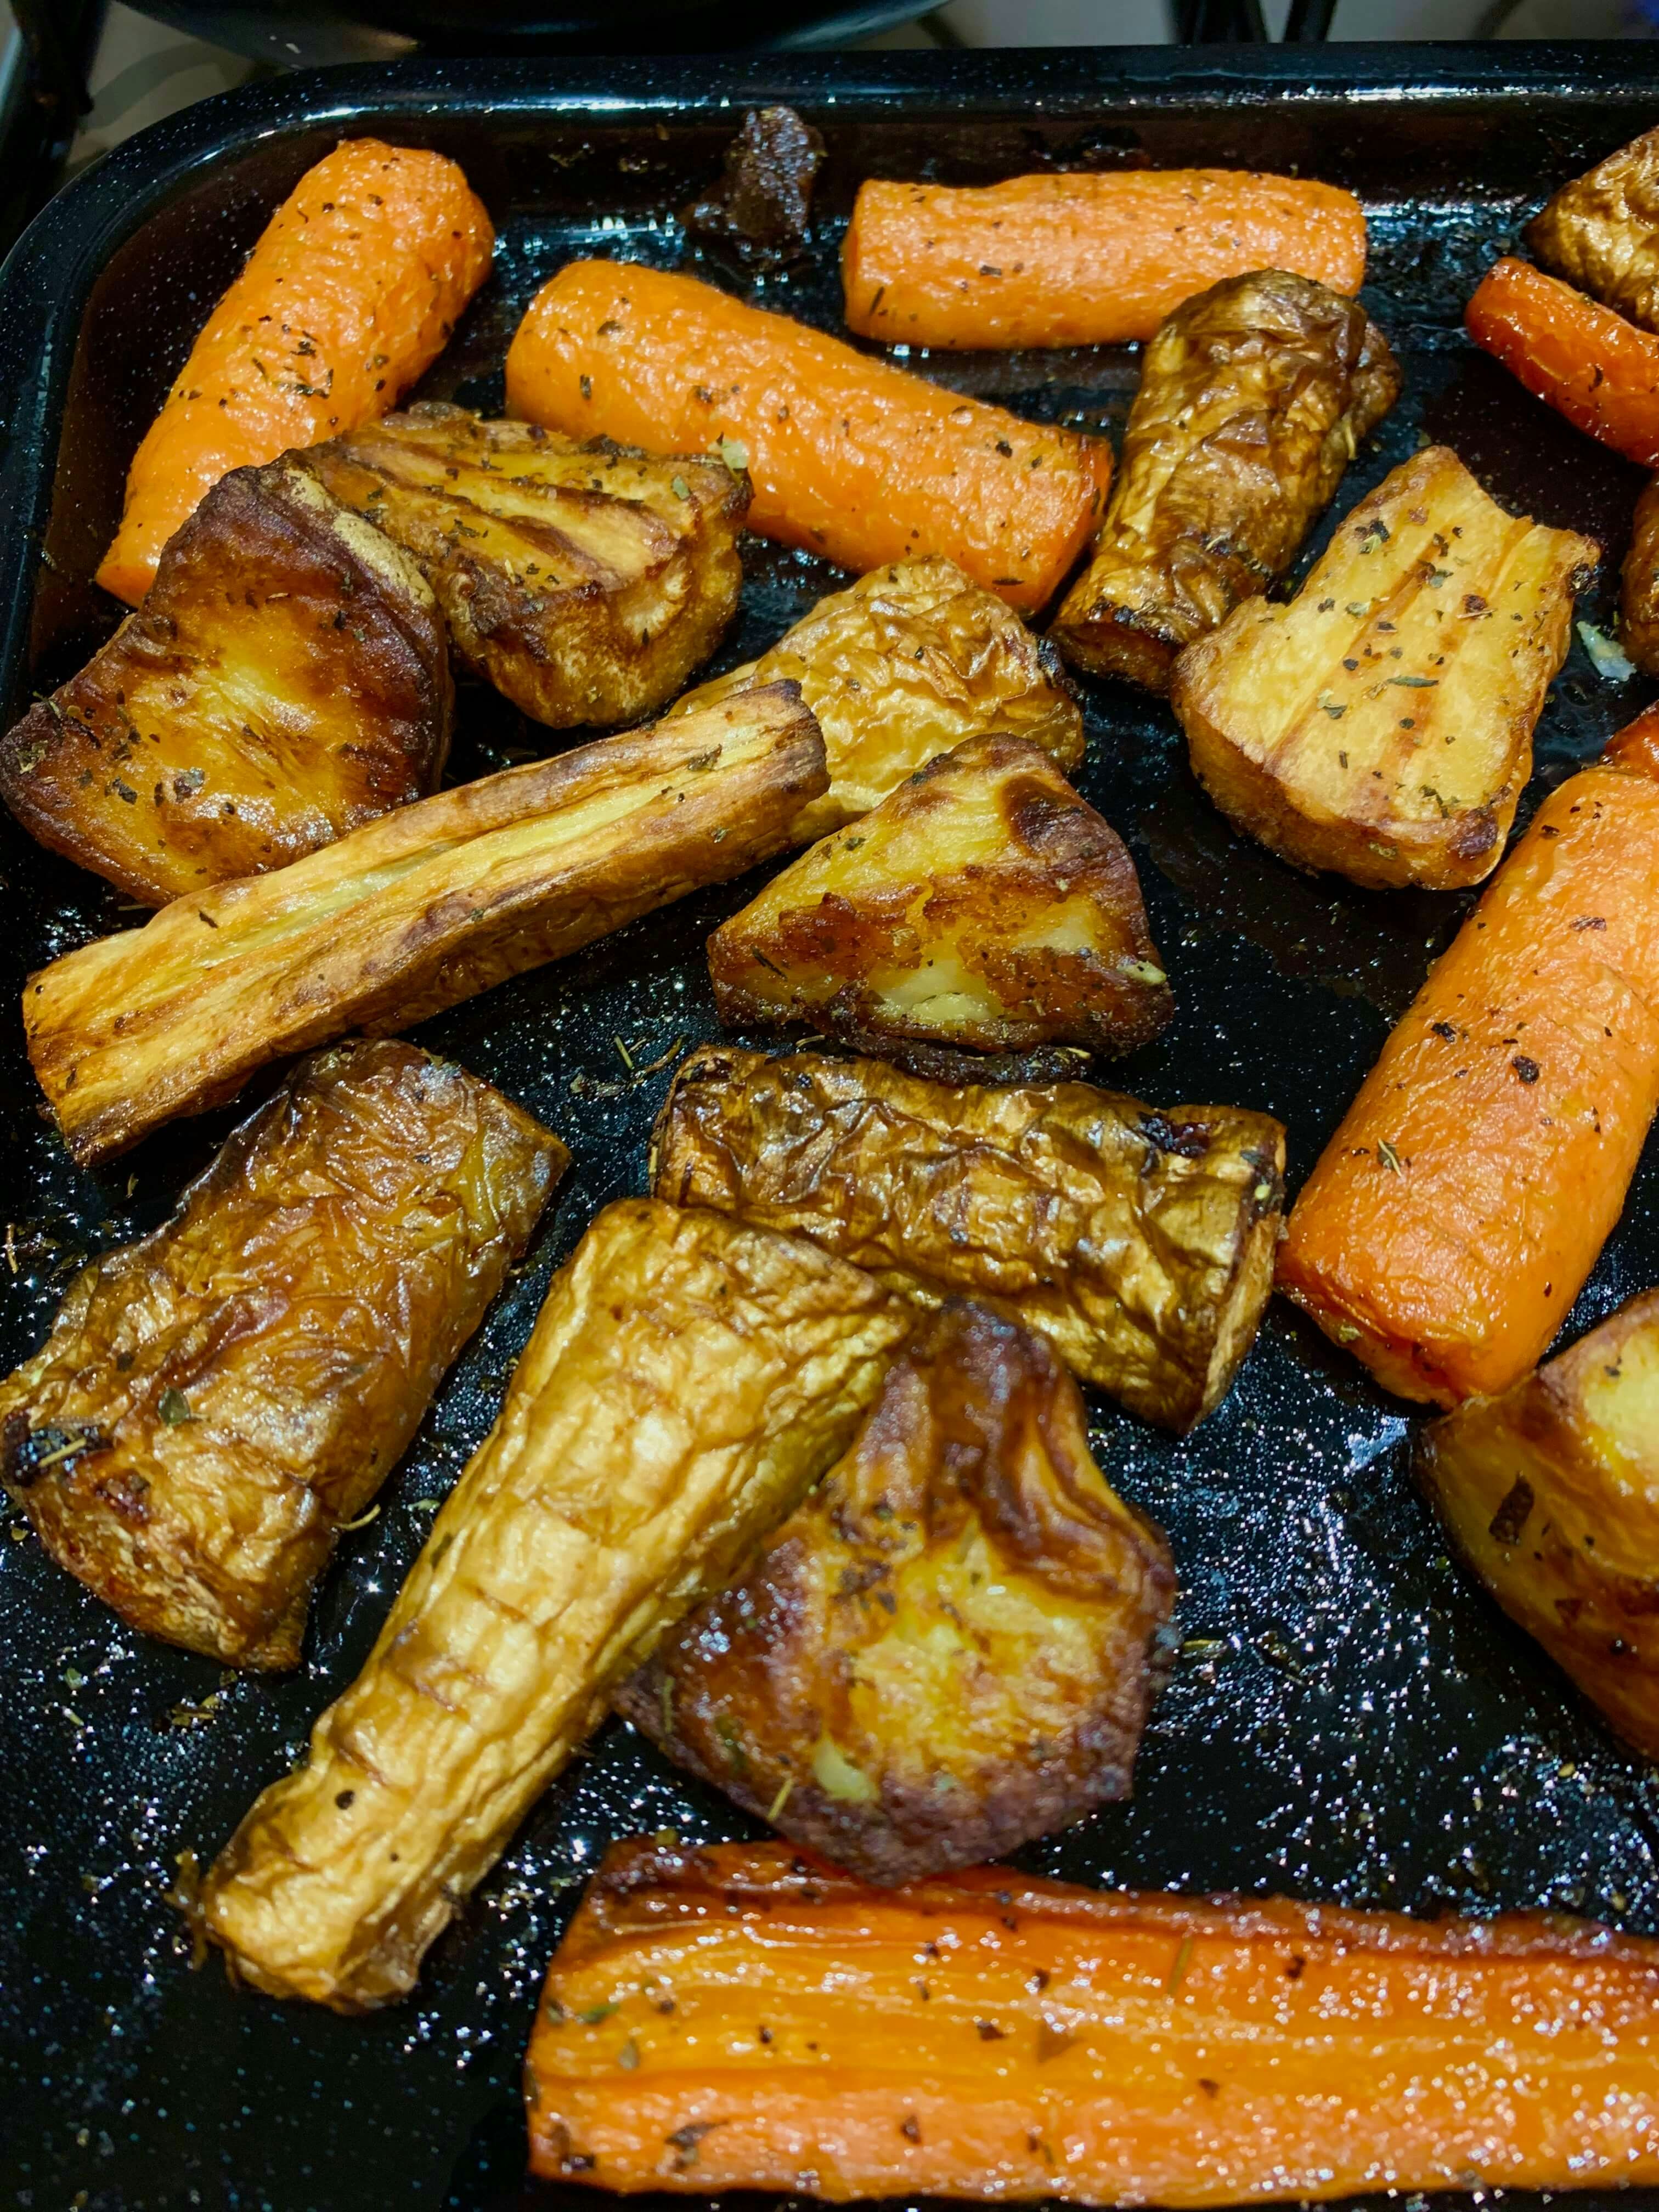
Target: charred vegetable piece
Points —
{"points": [[214, 1402], [1639, 580], [1551, 1493], [982, 904], [1254, 398], [406, 917], [736, 2017], [900, 667], [760, 209], [285, 681], [1381, 724], [585, 581], [1601, 231], [951, 1646], [688, 1379], [1140, 1243]]}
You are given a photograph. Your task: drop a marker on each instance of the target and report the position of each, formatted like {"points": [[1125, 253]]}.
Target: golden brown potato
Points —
{"points": [[586, 581], [285, 681], [215, 1401], [951, 1646], [412, 914], [1381, 724], [1140, 1243], [1639, 584], [1254, 398], [1551, 1493], [1601, 231], [982, 904], [899, 668], [688, 1380]]}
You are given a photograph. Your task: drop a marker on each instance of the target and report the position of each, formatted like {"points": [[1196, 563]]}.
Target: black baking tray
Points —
{"points": [[1349, 1718]]}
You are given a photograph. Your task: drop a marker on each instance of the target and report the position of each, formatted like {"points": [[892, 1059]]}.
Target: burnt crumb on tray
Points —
{"points": [[760, 209]]}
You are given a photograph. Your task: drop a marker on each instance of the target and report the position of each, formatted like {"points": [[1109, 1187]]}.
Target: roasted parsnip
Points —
{"points": [[1254, 398], [951, 1646], [1381, 724], [1601, 231], [285, 681], [1139, 1242], [1551, 1493], [215, 1401], [688, 1379], [407, 916], [982, 904], [1639, 584], [586, 581], [900, 666]]}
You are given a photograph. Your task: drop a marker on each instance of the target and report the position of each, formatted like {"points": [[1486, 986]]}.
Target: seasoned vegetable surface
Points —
{"points": [[1601, 231], [1582, 359]]}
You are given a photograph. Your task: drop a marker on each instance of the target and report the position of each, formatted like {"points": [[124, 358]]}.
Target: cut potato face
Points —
{"points": [[1381, 724], [1601, 231]]}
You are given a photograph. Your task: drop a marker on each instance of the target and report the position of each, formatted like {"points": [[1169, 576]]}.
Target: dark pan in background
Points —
{"points": [[1348, 1718]]}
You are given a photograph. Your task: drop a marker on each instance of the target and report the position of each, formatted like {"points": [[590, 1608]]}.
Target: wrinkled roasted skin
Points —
{"points": [[1381, 723], [1254, 398], [215, 1401], [982, 904], [951, 1646], [689, 1378], [902, 665], [1550, 1495], [584, 580], [1139, 1242], [285, 681], [1639, 584], [402, 918], [1601, 231]]}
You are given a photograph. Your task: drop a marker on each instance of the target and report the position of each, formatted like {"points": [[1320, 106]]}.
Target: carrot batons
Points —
{"points": [[350, 295], [849, 456], [741, 2017], [1590, 365], [1081, 260]]}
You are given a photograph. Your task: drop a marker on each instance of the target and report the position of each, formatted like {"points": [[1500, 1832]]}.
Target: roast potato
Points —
{"points": [[951, 1646], [688, 1379], [405, 917], [1381, 724], [285, 681], [1254, 398], [1639, 584], [215, 1401], [584, 580], [900, 666], [1601, 231], [1551, 1494], [1139, 1242]]}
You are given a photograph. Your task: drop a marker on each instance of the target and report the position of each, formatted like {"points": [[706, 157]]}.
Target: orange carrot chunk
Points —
{"points": [[848, 457], [1081, 260], [1455, 1214], [743, 2017], [1591, 366], [350, 295]]}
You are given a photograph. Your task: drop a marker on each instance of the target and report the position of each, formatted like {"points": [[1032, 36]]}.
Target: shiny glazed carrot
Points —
{"points": [[1592, 366], [741, 2017], [1081, 260], [1457, 1212], [848, 457], [350, 295]]}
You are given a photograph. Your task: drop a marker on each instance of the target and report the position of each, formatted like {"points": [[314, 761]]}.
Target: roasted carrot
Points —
{"points": [[1081, 259], [848, 457], [1636, 746], [1592, 366], [350, 294], [743, 2017], [1459, 1208]]}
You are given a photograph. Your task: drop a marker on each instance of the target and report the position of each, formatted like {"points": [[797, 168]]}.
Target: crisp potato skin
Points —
{"points": [[950, 1646], [584, 580], [1139, 1242], [1381, 724], [900, 666], [1601, 231], [688, 1379], [1639, 584], [1254, 398], [1551, 1494], [244, 1380], [412, 914], [982, 904], [285, 681]]}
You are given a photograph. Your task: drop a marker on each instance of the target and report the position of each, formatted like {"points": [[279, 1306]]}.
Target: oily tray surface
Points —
{"points": [[1347, 1718]]}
